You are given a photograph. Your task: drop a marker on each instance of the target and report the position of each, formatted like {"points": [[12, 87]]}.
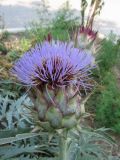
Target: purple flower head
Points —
{"points": [[55, 64]]}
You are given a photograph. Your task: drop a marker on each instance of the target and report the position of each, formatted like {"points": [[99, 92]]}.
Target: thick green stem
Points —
{"points": [[63, 148]]}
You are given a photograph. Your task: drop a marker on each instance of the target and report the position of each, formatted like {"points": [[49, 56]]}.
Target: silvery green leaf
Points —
{"points": [[17, 138], [113, 158]]}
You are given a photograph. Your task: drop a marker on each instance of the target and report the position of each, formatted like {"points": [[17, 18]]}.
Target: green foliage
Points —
{"points": [[11, 89], [60, 27], [87, 144], [105, 102], [25, 44], [64, 22], [37, 33], [108, 100], [3, 49], [108, 104], [10, 112], [16, 138], [4, 35], [82, 144], [113, 158], [108, 55], [28, 145], [12, 55]]}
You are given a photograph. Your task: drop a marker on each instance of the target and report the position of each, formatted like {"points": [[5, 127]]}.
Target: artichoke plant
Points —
{"points": [[85, 38], [57, 72]]}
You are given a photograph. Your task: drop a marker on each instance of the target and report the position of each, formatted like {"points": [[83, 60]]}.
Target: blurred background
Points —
{"points": [[18, 13]]}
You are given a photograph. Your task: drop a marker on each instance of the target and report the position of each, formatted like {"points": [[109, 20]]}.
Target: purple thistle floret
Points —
{"points": [[55, 64]]}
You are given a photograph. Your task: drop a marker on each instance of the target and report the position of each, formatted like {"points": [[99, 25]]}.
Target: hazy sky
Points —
{"points": [[18, 12]]}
